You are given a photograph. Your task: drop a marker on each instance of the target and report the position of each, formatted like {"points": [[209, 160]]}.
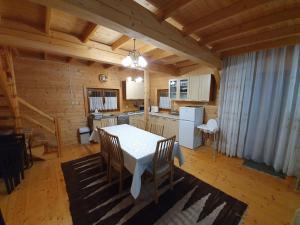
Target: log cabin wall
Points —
{"points": [[57, 89], [160, 81]]}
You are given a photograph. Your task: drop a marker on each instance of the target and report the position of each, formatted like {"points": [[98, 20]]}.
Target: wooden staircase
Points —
{"points": [[10, 117]]}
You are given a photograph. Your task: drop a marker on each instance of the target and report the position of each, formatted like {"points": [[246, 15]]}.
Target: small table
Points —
{"points": [[138, 150]]}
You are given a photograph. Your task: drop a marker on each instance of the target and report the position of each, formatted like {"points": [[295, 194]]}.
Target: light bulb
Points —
{"points": [[129, 79], [127, 61], [138, 79], [142, 62]]}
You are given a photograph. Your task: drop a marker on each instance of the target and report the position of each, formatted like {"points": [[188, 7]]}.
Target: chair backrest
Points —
{"points": [[104, 142], [163, 152], [116, 153], [141, 124], [157, 129]]}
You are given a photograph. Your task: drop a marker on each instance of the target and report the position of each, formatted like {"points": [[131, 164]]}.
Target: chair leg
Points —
{"points": [[156, 194], [8, 185], [171, 177], [109, 174]]}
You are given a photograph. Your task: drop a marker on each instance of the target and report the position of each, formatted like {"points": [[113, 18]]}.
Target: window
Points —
{"points": [[103, 99], [163, 100]]}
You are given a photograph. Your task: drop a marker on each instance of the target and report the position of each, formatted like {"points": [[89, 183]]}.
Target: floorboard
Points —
{"points": [[41, 199]]}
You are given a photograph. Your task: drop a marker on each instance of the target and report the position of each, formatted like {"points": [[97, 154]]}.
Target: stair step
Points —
{"points": [[6, 117], [7, 127], [4, 107], [9, 122]]}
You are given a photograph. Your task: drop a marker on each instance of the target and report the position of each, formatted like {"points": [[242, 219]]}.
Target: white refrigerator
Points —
{"points": [[189, 118]]}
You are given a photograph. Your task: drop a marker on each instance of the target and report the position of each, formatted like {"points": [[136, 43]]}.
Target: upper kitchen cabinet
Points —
{"points": [[133, 90], [193, 88], [178, 89], [201, 88]]}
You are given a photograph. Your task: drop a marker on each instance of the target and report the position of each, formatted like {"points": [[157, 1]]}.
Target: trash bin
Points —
{"points": [[84, 135]]}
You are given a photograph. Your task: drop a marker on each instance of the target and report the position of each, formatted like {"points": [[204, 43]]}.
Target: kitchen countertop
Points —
{"points": [[159, 114], [165, 115]]}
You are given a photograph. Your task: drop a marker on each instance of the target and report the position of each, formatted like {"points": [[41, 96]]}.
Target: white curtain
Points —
{"points": [[110, 103], [260, 107], [164, 102]]}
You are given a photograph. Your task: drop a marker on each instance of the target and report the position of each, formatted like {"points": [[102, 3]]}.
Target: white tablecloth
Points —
{"points": [[138, 149]]}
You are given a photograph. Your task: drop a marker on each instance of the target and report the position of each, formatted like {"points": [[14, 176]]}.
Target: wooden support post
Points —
{"points": [[57, 135], [146, 96]]}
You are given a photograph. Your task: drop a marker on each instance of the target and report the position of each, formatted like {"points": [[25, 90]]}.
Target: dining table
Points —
{"points": [[138, 148]]}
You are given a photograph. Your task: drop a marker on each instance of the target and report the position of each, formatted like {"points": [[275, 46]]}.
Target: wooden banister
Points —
{"points": [[54, 120], [27, 104], [28, 118]]}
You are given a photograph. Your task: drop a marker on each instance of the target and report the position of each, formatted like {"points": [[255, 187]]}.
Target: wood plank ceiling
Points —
{"points": [[222, 27]]}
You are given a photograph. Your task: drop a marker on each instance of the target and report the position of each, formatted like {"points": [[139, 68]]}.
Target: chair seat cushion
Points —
{"points": [[162, 168]]}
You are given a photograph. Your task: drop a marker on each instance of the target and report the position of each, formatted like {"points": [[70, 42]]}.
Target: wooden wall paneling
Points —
{"points": [[48, 87]]}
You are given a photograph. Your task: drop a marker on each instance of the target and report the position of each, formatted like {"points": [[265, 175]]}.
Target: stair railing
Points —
{"points": [[53, 120]]}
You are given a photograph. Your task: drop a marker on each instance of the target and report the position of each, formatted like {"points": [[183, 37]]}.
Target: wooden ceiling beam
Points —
{"points": [[170, 8], [66, 47], [253, 25], [146, 49], [264, 45], [121, 41], [159, 55], [48, 20], [257, 38], [133, 20], [89, 32], [222, 14]]}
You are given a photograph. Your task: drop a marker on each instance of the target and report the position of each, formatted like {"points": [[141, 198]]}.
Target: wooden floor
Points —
{"points": [[41, 199]]}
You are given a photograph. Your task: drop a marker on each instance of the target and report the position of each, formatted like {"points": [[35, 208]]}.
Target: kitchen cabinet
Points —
{"points": [[133, 90], [134, 118], [171, 126], [178, 89], [201, 88]]}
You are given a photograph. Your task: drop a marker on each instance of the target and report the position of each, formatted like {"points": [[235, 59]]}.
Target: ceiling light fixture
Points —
{"points": [[134, 59]]}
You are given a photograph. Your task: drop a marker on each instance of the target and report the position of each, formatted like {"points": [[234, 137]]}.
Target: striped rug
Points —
{"points": [[94, 201]]}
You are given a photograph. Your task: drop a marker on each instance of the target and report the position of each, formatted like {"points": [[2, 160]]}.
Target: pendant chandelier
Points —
{"points": [[134, 59]]}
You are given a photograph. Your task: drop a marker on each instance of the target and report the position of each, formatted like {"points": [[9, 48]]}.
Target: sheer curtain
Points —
{"points": [[260, 107]]}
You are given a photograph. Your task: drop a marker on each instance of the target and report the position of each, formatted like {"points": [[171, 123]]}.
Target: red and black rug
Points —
{"points": [[94, 201]]}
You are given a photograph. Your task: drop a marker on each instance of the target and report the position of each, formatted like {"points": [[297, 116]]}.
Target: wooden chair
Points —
{"points": [[116, 159], [104, 148], [156, 129], [141, 124], [163, 163]]}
